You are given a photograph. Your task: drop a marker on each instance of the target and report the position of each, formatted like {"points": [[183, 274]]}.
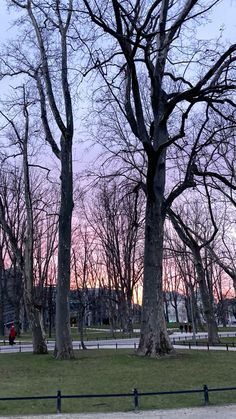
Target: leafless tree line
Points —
{"points": [[163, 110]]}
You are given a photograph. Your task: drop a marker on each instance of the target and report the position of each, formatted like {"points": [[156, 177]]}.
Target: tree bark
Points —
{"points": [[126, 314], [64, 347], [154, 340], [39, 344], [206, 300], [1, 306], [80, 320], [2, 328]]}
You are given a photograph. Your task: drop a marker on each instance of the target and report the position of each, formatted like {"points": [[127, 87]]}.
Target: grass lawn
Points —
{"points": [[113, 371]]}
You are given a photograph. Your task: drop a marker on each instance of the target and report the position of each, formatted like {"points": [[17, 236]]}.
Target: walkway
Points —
{"points": [[211, 412], [131, 343]]}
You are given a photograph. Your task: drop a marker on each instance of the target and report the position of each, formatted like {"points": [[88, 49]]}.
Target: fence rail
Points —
{"points": [[135, 395], [21, 347]]}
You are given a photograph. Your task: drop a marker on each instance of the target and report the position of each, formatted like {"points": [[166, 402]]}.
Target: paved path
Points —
{"points": [[211, 412], [131, 343]]}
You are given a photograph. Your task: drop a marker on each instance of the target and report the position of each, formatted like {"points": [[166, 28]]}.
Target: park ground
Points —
{"points": [[220, 412], [114, 371]]}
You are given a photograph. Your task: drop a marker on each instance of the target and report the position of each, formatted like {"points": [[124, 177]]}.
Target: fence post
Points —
{"points": [[59, 401], [135, 393], [206, 395]]}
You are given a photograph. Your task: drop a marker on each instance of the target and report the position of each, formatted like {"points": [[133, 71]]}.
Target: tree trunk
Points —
{"points": [[187, 307], [35, 320], [154, 340], [206, 300], [196, 314], [2, 329], [80, 320], [64, 347], [129, 315], [175, 302], [126, 314], [39, 344], [1, 310], [166, 304], [17, 319]]}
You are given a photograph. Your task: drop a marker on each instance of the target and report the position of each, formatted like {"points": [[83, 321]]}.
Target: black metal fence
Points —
{"points": [[24, 347], [27, 347], [135, 396]]}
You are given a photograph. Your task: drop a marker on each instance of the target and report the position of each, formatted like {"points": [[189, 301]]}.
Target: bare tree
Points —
{"points": [[150, 50], [11, 193], [118, 226], [48, 26], [2, 296], [205, 283], [24, 258], [83, 274]]}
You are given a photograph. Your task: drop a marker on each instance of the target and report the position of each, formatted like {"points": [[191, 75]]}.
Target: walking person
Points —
{"points": [[12, 335]]}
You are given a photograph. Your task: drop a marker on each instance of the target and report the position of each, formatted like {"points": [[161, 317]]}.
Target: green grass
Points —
{"points": [[113, 371]]}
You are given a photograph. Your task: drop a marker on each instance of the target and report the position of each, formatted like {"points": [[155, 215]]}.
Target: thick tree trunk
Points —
{"points": [[206, 300], [64, 347], [35, 320], [154, 340]]}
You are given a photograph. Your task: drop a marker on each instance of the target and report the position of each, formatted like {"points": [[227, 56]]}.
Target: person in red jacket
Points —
{"points": [[12, 335]]}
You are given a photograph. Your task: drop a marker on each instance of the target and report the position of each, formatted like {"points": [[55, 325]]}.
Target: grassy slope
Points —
{"points": [[111, 371]]}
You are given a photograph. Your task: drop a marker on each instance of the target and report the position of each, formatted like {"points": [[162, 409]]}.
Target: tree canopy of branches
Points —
{"points": [[42, 57], [157, 77], [163, 107]]}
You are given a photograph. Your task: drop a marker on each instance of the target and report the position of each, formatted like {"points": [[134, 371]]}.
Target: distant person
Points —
{"points": [[181, 328], [186, 328], [12, 335], [190, 328]]}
